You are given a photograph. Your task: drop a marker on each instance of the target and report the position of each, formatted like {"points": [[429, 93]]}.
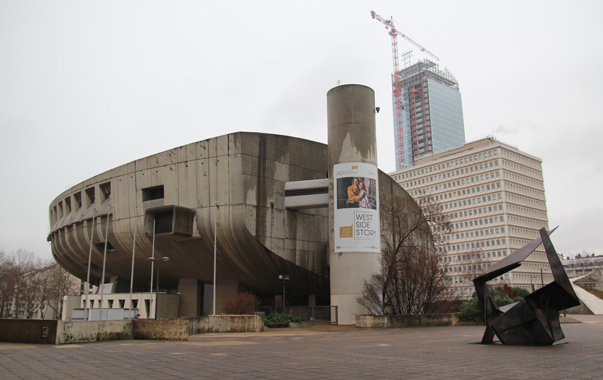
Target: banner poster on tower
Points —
{"points": [[357, 225]]}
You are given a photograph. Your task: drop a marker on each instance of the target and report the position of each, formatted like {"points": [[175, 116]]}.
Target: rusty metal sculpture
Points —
{"points": [[535, 321]]}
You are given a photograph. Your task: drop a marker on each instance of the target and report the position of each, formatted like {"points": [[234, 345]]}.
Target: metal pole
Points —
{"points": [[541, 278], [157, 292], [215, 250], [132, 274], [104, 264], [284, 297], [86, 306], [152, 270]]}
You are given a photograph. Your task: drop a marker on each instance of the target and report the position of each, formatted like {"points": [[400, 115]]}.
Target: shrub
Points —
{"points": [[471, 311], [242, 303], [512, 291], [282, 318]]}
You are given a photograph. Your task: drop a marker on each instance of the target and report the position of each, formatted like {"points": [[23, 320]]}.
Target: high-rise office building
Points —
{"points": [[432, 119], [494, 196]]}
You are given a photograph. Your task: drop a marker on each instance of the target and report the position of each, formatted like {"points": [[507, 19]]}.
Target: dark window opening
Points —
{"points": [[106, 189], [298, 192], [164, 222], [169, 221], [101, 247], [78, 200], [134, 304], [122, 304], [67, 202], [90, 195], [152, 193], [110, 304]]}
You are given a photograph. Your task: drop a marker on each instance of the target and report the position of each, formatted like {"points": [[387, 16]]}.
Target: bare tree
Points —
{"points": [[413, 274], [61, 284], [8, 279], [30, 294], [30, 287]]}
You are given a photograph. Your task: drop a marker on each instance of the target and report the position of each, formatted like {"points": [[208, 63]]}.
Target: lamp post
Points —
{"points": [[532, 281], [542, 277], [283, 279], [157, 286]]}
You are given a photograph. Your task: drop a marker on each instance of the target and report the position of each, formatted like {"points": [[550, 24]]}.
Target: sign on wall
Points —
{"points": [[357, 226]]}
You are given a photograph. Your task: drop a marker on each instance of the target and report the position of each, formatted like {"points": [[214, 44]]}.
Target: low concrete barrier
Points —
{"points": [[172, 329], [29, 330], [94, 331], [226, 323], [59, 332], [425, 320]]}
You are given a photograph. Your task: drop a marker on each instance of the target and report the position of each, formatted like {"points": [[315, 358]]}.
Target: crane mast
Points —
{"points": [[397, 83]]}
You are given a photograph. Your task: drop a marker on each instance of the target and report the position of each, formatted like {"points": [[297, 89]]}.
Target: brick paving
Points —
{"points": [[320, 352]]}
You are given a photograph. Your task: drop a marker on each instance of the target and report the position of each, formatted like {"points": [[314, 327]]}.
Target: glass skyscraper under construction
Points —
{"points": [[432, 116]]}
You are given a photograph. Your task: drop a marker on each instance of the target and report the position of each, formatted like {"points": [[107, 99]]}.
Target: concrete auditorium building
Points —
{"points": [[265, 204]]}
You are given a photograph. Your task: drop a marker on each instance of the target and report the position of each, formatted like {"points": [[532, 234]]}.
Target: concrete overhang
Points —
{"points": [[307, 194]]}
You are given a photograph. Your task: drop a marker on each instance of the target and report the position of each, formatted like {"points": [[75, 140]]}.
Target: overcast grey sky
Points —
{"points": [[86, 86]]}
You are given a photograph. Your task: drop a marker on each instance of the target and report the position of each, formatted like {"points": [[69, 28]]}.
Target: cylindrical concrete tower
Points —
{"points": [[354, 236]]}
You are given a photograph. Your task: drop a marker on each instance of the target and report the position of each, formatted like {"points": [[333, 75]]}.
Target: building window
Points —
{"points": [[152, 193], [90, 195], [106, 189], [101, 247]]}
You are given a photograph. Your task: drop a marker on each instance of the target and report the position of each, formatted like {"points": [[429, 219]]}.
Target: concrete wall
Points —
{"points": [[94, 331], [28, 330], [244, 174], [426, 320], [580, 309], [226, 323], [59, 332], [173, 329]]}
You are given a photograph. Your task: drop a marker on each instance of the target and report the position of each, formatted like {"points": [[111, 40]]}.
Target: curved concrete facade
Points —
{"points": [[258, 238], [244, 174]]}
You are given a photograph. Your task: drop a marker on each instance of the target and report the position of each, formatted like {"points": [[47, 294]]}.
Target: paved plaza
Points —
{"points": [[319, 352]]}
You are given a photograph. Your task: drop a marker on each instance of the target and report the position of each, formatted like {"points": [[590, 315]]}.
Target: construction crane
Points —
{"points": [[396, 82]]}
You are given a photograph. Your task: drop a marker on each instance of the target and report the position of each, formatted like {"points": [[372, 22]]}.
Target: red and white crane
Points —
{"points": [[396, 81]]}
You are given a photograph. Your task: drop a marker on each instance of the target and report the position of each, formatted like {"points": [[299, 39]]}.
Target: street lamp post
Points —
{"points": [[532, 282], [283, 279], [542, 277], [157, 286]]}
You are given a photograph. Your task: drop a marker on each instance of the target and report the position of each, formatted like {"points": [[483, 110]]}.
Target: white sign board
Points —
{"points": [[105, 289], [357, 225]]}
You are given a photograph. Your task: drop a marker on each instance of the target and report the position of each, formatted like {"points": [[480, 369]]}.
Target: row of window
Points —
{"points": [[513, 209], [458, 183], [536, 224], [475, 256], [477, 245], [526, 201], [510, 176], [521, 158], [478, 233], [522, 232], [524, 190], [477, 211], [452, 174], [447, 165], [66, 206], [474, 201], [520, 168]]}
